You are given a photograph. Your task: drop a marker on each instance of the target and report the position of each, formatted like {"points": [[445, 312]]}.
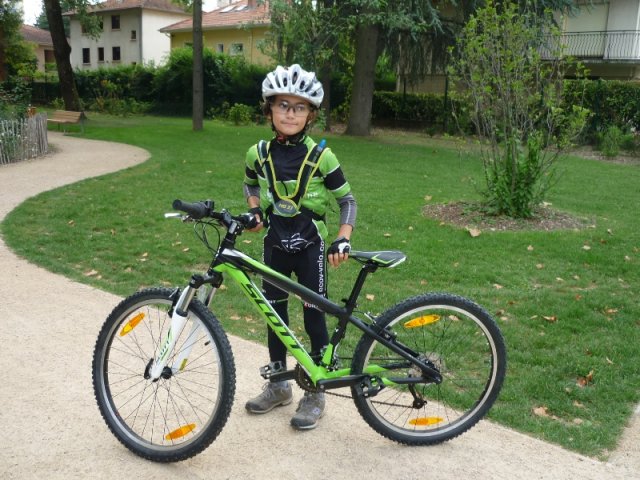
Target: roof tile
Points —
{"points": [[233, 15]]}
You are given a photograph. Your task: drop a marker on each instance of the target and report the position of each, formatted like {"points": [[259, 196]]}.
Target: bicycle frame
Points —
{"points": [[236, 264]]}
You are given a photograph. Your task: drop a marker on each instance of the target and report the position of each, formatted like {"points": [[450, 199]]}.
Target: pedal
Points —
{"points": [[271, 369], [370, 386]]}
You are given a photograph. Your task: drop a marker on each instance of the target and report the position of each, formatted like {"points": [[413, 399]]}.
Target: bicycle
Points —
{"points": [[423, 372]]}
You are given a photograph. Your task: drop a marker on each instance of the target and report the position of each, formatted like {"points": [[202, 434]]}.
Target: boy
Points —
{"points": [[288, 185]]}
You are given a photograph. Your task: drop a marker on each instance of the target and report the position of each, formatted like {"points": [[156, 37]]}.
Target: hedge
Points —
{"points": [[613, 103]]}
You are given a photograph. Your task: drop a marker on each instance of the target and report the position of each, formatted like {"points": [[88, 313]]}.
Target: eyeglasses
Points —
{"points": [[299, 109]]}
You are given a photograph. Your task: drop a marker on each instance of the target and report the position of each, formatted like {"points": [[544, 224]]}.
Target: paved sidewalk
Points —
{"points": [[51, 427]]}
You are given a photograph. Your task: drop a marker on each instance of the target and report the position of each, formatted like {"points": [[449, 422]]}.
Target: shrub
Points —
{"points": [[514, 97], [241, 114], [610, 141]]}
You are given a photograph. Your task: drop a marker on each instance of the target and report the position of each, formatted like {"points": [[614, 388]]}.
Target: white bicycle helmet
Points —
{"points": [[295, 81]]}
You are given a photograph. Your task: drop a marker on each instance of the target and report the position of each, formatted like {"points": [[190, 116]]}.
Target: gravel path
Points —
{"points": [[51, 427]]}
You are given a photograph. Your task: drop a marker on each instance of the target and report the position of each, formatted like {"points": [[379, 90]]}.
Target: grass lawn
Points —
{"points": [[566, 301]]}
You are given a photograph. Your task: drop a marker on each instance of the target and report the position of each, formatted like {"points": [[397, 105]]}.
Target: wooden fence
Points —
{"points": [[23, 139]]}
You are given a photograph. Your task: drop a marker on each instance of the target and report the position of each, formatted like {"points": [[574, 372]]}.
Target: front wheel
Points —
{"points": [[454, 336], [181, 413]]}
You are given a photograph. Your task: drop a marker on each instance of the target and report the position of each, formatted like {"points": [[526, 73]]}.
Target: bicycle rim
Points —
{"points": [[458, 339], [181, 413]]}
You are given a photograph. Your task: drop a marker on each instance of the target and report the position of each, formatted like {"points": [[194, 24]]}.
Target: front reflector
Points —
{"points": [[180, 432], [425, 421], [131, 324], [421, 321]]}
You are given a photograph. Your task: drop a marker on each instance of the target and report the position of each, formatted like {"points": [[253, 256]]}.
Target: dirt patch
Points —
{"points": [[469, 215]]}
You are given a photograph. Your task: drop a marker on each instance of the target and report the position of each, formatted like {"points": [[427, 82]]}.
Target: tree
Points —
{"points": [[16, 56], [509, 70], [43, 23], [198, 75], [308, 33], [62, 52]]}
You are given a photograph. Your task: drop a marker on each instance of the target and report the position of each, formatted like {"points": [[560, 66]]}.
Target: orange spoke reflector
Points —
{"points": [[421, 321], [180, 432], [425, 421], [131, 324]]}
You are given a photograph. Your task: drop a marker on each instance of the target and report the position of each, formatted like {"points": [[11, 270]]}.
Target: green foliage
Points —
{"points": [[612, 103], [15, 97], [427, 108], [610, 141], [18, 56], [226, 78], [241, 114], [514, 98]]}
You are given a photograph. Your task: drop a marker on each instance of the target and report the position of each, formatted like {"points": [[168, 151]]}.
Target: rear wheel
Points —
{"points": [[181, 413], [451, 334]]}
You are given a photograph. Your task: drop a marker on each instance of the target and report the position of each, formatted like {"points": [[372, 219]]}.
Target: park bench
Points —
{"points": [[66, 117]]}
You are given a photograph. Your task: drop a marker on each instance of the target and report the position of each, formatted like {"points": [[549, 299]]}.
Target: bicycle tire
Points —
{"points": [[461, 340], [173, 418]]}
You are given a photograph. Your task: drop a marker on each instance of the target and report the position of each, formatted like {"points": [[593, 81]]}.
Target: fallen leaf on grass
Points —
{"points": [[474, 232], [586, 247], [497, 286], [550, 319], [586, 380], [530, 248], [91, 273], [543, 411], [369, 296]]}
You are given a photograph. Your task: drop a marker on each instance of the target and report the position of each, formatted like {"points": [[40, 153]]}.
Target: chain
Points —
{"points": [[304, 382]]}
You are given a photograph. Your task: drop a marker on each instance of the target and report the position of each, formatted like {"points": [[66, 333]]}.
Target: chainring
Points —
{"points": [[303, 380]]}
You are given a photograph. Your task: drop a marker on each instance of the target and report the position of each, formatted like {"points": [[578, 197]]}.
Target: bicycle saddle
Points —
{"points": [[381, 258]]}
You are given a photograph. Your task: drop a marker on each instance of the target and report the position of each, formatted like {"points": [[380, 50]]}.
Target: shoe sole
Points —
{"points": [[260, 412], [306, 427]]}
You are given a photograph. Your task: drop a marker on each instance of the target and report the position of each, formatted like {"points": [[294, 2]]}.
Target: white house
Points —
{"points": [[605, 36], [130, 33]]}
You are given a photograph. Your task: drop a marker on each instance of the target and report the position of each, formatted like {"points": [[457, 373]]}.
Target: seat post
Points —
{"points": [[352, 301]]}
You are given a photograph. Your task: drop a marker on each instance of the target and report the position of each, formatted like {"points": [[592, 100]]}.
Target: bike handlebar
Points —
{"points": [[200, 210], [195, 210]]}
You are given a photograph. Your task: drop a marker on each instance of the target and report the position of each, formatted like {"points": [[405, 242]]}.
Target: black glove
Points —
{"points": [[340, 245], [257, 211]]}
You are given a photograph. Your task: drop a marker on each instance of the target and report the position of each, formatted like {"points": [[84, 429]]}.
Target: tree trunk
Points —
{"points": [[326, 70], [198, 82], [4, 71], [62, 52], [363, 80]]}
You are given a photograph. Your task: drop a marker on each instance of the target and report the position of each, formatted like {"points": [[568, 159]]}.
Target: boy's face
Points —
{"points": [[290, 114]]}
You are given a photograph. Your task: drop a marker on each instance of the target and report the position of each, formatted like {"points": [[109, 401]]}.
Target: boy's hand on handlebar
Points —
{"points": [[338, 251], [258, 215]]}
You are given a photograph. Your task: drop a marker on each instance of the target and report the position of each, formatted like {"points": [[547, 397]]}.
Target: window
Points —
{"points": [[236, 49], [115, 54], [86, 56], [100, 54], [115, 22], [220, 48], [134, 35]]}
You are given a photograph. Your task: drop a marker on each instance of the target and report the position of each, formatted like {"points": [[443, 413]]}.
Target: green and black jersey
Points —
{"points": [[326, 185]]}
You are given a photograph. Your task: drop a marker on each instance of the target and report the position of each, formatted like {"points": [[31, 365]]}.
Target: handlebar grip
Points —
{"points": [[195, 210]]}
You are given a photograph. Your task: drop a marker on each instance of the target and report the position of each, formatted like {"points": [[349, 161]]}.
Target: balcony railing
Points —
{"points": [[614, 46]]}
